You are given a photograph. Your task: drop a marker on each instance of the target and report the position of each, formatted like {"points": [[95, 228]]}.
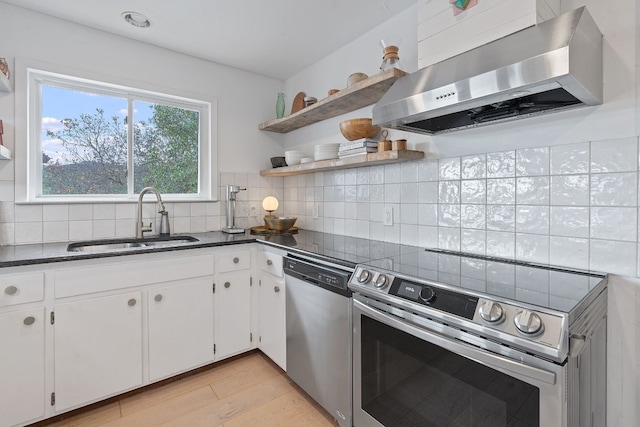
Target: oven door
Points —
{"points": [[407, 373]]}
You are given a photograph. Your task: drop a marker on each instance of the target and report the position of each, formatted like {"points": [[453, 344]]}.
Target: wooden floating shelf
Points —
{"points": [[361, 160], [361, 94]]}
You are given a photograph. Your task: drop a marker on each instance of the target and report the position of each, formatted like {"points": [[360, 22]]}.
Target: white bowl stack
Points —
{"points": [[293, 157], [326, 151]]}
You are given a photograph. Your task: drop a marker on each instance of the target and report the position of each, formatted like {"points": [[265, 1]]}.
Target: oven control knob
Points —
{"points": [[381, 281], [427, 294], [364, 276], [528, 322], [491, 312]]}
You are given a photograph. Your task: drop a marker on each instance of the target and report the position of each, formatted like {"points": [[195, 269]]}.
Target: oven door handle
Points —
{"points": [[486, 358]]}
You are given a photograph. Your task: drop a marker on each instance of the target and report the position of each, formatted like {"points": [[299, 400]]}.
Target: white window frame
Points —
{"points": [[28, 154]]}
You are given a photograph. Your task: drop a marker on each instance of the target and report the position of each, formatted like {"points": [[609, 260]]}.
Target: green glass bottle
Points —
{"points": [[280, 105]]}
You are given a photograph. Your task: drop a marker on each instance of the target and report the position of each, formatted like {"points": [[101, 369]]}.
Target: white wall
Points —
{"points": [[243, 100]]}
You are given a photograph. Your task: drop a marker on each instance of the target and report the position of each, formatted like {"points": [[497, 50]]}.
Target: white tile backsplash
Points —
{"points": [[501, 191], [501, 165], [532, 161], [574, 205], [617, 155], [570, 159], [473, 191], [569, 221], [614, 189], [449, 168], [570, 190], [614, 223], [474, 167], [532, 190]]}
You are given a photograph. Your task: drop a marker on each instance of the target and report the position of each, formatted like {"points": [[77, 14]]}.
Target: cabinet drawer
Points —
{"points": [[233, 261], [270, 263], [120, 275], [21, 288]]}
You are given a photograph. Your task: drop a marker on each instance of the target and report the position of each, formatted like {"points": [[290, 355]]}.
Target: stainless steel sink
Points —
{"points": [[129, 244]]}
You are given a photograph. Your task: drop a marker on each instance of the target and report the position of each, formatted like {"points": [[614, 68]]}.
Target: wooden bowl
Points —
{"points": [[358, 128], [280, 223]]}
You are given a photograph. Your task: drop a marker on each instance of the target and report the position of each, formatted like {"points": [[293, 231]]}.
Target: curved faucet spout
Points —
{"points": [[140, 228]]}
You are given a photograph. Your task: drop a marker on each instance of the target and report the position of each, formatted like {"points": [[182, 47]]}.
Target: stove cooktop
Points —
{"points": [[550, 287]]}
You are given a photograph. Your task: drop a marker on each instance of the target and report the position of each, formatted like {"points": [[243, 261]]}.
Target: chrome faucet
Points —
{"points": [[164, 215]]}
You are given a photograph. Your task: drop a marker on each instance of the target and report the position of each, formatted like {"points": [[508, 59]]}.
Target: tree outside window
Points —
{"points": [[90, 152]]}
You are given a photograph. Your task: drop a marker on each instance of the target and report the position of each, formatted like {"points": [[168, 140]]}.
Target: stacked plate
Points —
{"points": [[326, 151]]}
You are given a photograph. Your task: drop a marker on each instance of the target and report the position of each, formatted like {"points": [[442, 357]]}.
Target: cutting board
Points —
{"points": [[298, 102]]}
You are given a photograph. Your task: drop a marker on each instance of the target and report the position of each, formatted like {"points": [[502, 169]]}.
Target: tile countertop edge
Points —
{"points": [[49, 253]]}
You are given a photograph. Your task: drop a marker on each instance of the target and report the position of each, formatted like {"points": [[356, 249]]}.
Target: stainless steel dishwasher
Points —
{"points": [[319, 333]]}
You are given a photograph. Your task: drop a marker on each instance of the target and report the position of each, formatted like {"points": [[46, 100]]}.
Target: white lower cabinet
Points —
{"points": [[233, 314], [273, 334], [180, 327], [97, 348], [22, 363]]}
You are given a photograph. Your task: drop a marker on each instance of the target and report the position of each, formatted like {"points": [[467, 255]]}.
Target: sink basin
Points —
{"points": [[129, 244]]}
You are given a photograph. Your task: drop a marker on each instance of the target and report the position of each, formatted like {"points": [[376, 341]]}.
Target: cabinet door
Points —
{"points": [[180, 327], [22, 366], [98, 348], [273, 334], [233, 313]]}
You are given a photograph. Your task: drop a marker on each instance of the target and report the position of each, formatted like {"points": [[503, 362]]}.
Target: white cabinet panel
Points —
{"points": [[22, 362], [98, 348], [233, 261], [270, 263], [233, 313], [21, 288], [180, 327], [120, 275], [273, 334]]}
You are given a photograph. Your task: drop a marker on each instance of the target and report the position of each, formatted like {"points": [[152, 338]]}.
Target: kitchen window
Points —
{"points": [[92, 141]]}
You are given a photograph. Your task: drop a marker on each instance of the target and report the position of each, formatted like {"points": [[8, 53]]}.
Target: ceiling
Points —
{"points": [[275, 38]]}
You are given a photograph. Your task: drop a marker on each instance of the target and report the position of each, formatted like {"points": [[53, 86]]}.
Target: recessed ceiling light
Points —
{"points": [[136, 19]]}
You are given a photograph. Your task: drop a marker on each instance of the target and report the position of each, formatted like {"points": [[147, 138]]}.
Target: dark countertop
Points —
{"points": [[344, 250]]}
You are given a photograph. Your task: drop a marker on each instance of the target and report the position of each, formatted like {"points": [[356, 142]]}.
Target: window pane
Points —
{"points": [[165, 148], [84, 143]]}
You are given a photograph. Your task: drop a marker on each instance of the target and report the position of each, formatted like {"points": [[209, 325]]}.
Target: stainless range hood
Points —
{"points": [[545, 68]]}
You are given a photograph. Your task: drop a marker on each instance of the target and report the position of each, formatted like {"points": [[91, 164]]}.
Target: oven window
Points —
{"points": [[410, 382]]}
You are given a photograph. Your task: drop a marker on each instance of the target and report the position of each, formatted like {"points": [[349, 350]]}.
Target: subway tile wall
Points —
{"points": [[573, 205], [34, 224]]}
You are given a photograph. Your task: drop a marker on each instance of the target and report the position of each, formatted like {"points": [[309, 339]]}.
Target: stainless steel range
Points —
{"points": [[449, 339]]}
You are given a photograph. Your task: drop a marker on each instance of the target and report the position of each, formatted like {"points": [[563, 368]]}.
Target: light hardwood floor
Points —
{"points": [[249, 391]]}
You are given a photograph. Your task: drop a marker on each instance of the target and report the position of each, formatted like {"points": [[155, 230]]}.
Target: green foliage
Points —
{"points": [[165, 154]]}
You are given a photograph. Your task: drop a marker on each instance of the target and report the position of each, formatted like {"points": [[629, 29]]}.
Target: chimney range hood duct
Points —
{"points": [[548, 67]]}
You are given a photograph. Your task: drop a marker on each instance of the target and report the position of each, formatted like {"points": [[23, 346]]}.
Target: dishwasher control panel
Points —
{"points": [[318, 273]]}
